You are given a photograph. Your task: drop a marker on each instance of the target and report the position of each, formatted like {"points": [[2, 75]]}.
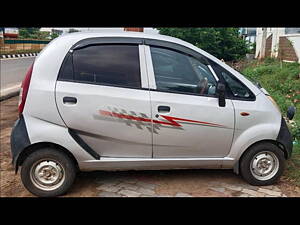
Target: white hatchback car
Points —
{"points": [[128, 101]]}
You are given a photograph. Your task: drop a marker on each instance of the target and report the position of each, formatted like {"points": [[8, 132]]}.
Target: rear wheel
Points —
{"points": [[262, 164], [48, 172]]}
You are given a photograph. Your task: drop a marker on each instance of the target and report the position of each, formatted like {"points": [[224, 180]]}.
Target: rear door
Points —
{"points": [[100, 96]]}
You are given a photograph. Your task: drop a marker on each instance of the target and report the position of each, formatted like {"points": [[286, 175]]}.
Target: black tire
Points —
{"points": [[245, 163], [65, 162]]}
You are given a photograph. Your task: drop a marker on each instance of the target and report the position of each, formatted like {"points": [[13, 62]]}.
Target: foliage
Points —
{"points": [[43, 35], [252, 47], [292, 173], [72, 30], [34, 33], [282, 81], [224, 43], [31, 32], [54, 35]]}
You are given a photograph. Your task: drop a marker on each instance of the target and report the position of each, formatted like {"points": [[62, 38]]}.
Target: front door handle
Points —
{"points": [[164, 109], [70, 100]]}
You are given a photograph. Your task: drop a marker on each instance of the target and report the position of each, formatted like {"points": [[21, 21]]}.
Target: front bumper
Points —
{"points": [[19, 140], [285, 138]]}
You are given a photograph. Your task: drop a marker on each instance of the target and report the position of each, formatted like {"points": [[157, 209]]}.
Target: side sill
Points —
{"points": [[107, 163]]}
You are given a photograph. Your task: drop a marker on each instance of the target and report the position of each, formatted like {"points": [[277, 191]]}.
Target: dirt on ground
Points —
{"points": [[180, 183]]}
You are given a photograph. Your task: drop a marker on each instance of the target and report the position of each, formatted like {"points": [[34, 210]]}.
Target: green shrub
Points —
{"points": [[295, 130], [282, 81]]}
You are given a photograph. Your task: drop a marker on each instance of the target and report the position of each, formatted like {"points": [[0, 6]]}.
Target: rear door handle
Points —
{"points": [[70, 100], [164, 109]]}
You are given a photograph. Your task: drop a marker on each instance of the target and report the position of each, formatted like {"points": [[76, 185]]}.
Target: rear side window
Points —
{"points": [[66, 72], [115, 65]]}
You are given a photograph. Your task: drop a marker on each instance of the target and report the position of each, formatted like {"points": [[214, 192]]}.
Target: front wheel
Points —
{"points": [[48, 172], [262, 164]]}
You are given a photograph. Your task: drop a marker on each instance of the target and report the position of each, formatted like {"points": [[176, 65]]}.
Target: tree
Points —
{"points": [[43, 35], [31, 32], [72, 30], [223, 43], [54, 35]]}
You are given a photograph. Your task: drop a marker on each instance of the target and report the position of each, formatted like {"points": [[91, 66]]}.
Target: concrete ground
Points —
{"points": [[167, 183]]}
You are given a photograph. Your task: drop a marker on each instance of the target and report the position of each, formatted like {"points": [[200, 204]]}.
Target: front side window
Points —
{"points": [[178, 72], [235, 88], [116, 65]]}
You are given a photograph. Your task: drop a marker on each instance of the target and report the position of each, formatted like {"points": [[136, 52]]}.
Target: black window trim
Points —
{"points": [[184, 93], [106, 40]]}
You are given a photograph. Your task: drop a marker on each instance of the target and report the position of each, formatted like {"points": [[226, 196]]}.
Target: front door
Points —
{"points": [[100, 97], [187, 120]]}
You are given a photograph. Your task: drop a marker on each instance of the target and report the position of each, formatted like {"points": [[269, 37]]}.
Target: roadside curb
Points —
{"points": [[10, 92], [18, 55], [10, 95]]}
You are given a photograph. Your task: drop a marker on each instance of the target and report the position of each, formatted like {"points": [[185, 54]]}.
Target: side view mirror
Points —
{"points": [[291, 112], [221, 94]]}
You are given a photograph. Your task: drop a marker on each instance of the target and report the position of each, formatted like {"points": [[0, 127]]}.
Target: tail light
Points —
{"points": [[24, 89]]}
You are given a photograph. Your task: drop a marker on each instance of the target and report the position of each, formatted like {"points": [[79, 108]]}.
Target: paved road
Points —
{"points": [[13, 70]]}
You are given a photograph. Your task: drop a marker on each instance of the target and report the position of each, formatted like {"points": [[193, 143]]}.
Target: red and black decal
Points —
{"points": [[169, 120]]}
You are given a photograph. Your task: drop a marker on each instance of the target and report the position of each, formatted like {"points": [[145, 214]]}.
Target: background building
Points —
{"points": [[282, 43], [249, 34]]}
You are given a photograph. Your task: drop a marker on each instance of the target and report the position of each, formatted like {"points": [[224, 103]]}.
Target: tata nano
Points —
{"points": [[135, 101]]}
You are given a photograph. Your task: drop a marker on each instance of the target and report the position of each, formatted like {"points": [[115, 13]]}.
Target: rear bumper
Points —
{"points": [[285, 138], [19, 140]]}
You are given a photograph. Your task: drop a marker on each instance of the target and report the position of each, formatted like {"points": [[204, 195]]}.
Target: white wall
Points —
{"points": [[277, 32]]}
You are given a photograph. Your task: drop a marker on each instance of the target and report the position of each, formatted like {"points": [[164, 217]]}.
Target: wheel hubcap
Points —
{"points": [[47, 175], [264, 165]]}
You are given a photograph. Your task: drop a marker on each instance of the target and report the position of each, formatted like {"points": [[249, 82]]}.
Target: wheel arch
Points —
{"points": [[36, 146]]}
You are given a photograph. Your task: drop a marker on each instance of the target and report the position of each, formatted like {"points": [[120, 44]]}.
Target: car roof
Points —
{"points": [[70, 37], [87, 34]]}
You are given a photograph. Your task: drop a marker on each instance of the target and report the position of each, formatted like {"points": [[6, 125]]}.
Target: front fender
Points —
{"points": [[243, 139]]}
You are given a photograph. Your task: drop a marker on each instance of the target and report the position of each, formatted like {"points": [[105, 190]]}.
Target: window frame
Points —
{"points": [[180, 50], [142, 73]]}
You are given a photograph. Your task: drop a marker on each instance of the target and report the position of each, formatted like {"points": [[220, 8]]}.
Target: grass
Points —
{"points": [[292, 172], [282, 81]]}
